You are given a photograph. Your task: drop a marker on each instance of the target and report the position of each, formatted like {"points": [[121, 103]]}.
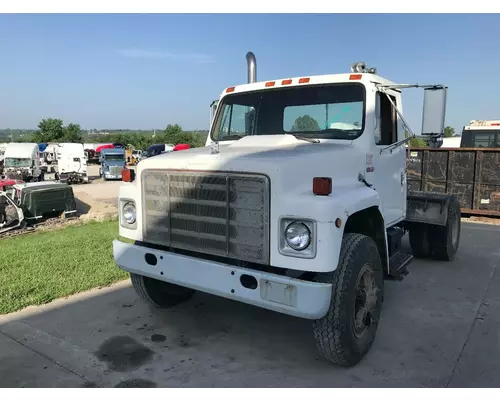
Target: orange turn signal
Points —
{"points": [[128, 175], [322, 186]]}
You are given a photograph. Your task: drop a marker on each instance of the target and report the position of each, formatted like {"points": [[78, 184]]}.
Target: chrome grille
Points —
{"points": [[115, 169], [224, 214]]}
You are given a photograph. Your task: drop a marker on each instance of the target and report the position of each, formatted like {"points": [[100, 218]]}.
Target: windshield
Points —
{"points": [[17, 162], [486, 138], [114, 157], [334, 111]]}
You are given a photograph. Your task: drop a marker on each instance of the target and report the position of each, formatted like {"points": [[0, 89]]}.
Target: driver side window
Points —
{"points": [[236, 120], [386, 120]]}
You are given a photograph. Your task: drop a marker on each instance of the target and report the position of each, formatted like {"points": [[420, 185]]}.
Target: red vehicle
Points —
{"points": [[104, 146], [181, 147], [6, 184]]}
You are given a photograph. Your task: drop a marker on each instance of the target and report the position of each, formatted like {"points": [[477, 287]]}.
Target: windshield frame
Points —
{"points": [[312, 135]]}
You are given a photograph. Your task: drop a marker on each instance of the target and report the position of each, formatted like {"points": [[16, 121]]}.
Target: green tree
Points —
{"points": [[50, 129], [449, 131], [416, 141], [72, 134], [306, 123]]}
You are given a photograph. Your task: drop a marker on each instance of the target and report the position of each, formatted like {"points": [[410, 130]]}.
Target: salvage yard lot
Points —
{"points": [[439, 328], [42, 266]]}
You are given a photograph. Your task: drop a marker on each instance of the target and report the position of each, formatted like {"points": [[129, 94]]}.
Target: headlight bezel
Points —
{"points": [[285, 249], [123, 222]]}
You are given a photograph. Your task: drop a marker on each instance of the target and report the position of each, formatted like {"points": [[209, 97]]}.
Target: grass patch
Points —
{"points": [[40, 267]]}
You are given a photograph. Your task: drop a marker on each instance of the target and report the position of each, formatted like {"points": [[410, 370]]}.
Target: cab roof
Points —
{"points": [[365, 78]]}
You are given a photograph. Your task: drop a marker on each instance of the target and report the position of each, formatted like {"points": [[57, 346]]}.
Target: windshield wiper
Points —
{"points": [[310, 140]]}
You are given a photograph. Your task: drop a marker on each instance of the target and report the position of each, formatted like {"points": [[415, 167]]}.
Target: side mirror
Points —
{"points": [[434, 111]]}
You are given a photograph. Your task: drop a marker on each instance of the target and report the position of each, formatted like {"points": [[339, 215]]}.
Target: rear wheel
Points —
{"points": [[444, 240], [158, 293], [346, 333], [419, 240]]}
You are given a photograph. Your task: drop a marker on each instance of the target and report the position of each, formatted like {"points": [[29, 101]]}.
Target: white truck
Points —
{"points": [[297, 204], [22, 161], [72, 163], [481, 134]]}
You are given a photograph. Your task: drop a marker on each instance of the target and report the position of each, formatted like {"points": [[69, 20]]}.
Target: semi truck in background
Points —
{"points": [[22, 161], [483, 134], [72, 163], [479, 134], [112, 163]]}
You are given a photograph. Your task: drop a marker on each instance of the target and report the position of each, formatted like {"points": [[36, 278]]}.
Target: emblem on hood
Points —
{"points": [[214, 148]]}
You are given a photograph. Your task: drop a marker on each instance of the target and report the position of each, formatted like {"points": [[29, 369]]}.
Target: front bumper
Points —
{"points": [[285, 295]]}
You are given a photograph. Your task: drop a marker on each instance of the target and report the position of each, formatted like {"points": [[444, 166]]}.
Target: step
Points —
{"points": [[397, 265]]}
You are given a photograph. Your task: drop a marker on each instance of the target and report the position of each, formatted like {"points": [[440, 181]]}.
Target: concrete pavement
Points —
{"points": [[439, 328]]}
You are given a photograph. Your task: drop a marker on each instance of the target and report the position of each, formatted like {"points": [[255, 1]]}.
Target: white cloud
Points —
{"points": [[158, 54]]}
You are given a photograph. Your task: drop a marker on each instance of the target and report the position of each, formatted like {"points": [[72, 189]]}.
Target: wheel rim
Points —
{"points": [[366, 300]]}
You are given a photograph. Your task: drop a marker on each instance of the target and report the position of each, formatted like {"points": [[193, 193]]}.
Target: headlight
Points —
{"points": [[129, 214], [298, 236]]}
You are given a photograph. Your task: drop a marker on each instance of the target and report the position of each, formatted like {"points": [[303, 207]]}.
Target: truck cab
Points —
{"points": [[481, 134], [72, 163], [112, 163], [297, 204], [156, 149], [22, 161]]}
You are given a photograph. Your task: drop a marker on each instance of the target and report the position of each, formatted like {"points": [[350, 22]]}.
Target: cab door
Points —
{"points": [[389, 175]]}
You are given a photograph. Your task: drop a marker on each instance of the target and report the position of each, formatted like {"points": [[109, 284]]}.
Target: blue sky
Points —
{"points": [[146, 71]]}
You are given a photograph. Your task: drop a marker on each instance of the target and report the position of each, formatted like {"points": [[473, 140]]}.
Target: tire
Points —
{"points": [[420, 240], [160, 294], [335, 334], [444, 240]]}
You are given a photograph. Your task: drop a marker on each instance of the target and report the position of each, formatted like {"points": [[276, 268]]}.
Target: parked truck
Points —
{"points": [[112, 163], [72, 163], [22, 161], [298, 204]]}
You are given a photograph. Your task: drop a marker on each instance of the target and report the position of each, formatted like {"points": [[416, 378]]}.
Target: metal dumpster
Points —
{"points": [[473, 175]]}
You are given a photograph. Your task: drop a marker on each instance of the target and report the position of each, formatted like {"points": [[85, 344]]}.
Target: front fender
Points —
{"points": [[324, 210]]}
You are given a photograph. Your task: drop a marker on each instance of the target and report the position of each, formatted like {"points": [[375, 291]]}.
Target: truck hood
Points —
{"points": [[289, 162]]}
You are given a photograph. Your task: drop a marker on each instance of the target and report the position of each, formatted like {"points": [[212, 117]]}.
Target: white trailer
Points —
{"points": [[283, 211]]}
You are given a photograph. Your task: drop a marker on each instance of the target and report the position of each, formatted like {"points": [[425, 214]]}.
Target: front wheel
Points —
{"points": [[346, 333], [158, 293]]}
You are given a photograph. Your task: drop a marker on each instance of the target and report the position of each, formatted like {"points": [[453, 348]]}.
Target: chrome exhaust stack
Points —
{"points": [[251, 67]]}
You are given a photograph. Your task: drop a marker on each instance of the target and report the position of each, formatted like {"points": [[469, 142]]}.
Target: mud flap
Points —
{"points": [[427, 208]]}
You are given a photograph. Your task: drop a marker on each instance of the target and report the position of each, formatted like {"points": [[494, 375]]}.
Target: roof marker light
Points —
{"points": [[230, 89], [269, 84], [355, 77], [304, 80], [286, 82]]}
